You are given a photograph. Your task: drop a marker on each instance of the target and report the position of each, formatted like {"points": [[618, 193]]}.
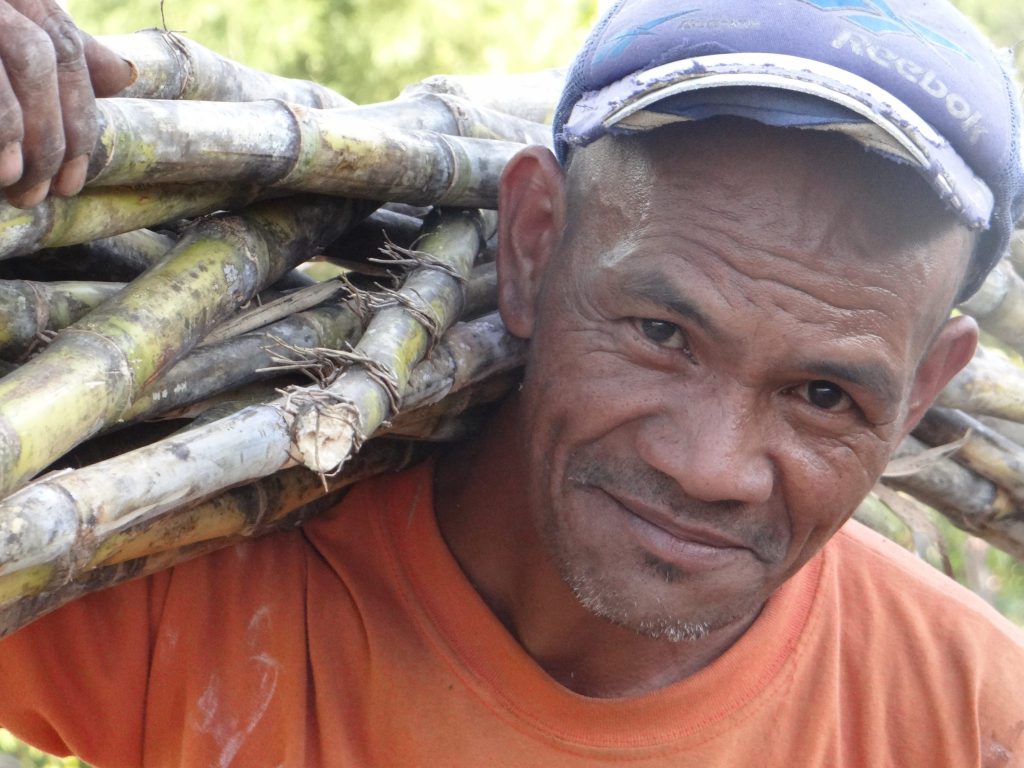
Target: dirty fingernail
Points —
{"points": [[10, 163], [71, 177], [133, 72], [30, 197]]}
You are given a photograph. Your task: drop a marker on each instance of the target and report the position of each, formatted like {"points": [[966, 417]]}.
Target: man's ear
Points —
{"points": [[952, 349], [531, 217]]}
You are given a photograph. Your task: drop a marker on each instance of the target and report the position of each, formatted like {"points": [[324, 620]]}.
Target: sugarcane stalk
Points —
{"points": [[61, 517], [454, 116], [474, 351], [984, 450], [118, 258], [330, 425], [1016, 254], [294, 280], [30, 309], [237, 515], [998, 306], [275, 145], [454, 417], [211, 369], [482, 290], [1013, 430], [878, 516], [399, 228], [532, 96], [283, 499], [170, 66], [360, 248], [133, 252], [971, 502], [88, 377], [102, 212], [220, 406], [987, 386], [920, 522]]}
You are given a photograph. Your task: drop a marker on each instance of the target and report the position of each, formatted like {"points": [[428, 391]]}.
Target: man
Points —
{"points": [[736, 280]]}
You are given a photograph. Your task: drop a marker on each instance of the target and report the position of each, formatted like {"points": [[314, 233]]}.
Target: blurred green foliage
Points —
{"points": [[1003, 20], [366, 49], [16, 754], [370, 49]]}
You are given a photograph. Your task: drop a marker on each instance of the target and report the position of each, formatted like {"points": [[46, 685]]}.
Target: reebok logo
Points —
{"points": [[876, 17], [927, 80]]}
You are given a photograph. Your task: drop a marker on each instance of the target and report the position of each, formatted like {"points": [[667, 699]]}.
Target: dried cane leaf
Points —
{"points": [[917, 518], [912, 464], [271, 312]]}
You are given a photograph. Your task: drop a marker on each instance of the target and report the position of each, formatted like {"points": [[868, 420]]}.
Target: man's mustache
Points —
{"points": [[767, 538]]}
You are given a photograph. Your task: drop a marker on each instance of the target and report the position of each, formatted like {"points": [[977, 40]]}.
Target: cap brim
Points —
{"points": [[785, 91]]}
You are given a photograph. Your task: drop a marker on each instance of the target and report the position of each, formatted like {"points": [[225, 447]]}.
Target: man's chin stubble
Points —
{"points": [[614, 607]]}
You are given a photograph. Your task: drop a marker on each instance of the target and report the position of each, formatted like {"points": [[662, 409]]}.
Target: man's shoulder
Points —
{"points": [[370, 496], [875, 573], [357, 535], [909, 634]]}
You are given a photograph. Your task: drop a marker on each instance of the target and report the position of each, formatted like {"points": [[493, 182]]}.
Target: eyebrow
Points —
{"points": [[874, 377], [656, 288]]}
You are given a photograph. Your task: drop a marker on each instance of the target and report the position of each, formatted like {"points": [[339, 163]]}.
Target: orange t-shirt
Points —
{"points": [[357, 641]]}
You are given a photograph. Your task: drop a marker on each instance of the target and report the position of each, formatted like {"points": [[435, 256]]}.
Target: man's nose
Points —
{"points": [[716, 448]]}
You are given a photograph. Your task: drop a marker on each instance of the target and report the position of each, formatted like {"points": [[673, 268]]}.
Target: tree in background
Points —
{"points": [[367, 49], [370, 49], [1003, 20]]}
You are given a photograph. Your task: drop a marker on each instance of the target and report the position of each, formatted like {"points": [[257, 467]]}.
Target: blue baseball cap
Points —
{"points": [[910, 79]]}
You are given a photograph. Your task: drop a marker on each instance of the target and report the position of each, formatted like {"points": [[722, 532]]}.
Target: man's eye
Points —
{"points": [[662, 333], [825, 395]]}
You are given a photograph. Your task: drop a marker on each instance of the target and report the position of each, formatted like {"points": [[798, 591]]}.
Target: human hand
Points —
{"points": [[50, 75]]}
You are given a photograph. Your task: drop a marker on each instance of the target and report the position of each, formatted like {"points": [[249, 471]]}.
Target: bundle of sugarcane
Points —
{"points": [[175, 380]]}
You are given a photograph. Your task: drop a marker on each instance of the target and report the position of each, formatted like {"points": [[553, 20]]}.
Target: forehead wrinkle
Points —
{"points": [[844, 303], [824, 281], [842, 231], [855, 323], [750, 271], [745, 277]]}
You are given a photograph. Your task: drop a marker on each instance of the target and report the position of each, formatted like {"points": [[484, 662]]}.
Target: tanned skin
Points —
{"points": [[50, 75], [732, 327]]}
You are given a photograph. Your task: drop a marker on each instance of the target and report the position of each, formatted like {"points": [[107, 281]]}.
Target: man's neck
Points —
{"points": [[484, 518]]}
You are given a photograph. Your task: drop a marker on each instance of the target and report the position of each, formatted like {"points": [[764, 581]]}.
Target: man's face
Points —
{"points": [[722, 357]]}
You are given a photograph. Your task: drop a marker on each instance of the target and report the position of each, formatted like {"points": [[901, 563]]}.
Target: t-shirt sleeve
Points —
{"points": [[74, 681]]}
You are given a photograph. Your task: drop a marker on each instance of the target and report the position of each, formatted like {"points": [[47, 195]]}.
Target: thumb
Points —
{"points": [[110, 74]]}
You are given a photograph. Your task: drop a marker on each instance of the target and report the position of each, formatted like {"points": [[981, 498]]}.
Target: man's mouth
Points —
{"points": [[689, 547]]}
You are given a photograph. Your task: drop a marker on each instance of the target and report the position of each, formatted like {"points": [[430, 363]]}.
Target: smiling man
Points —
{"points": [[713, 386], [736, 278]]}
